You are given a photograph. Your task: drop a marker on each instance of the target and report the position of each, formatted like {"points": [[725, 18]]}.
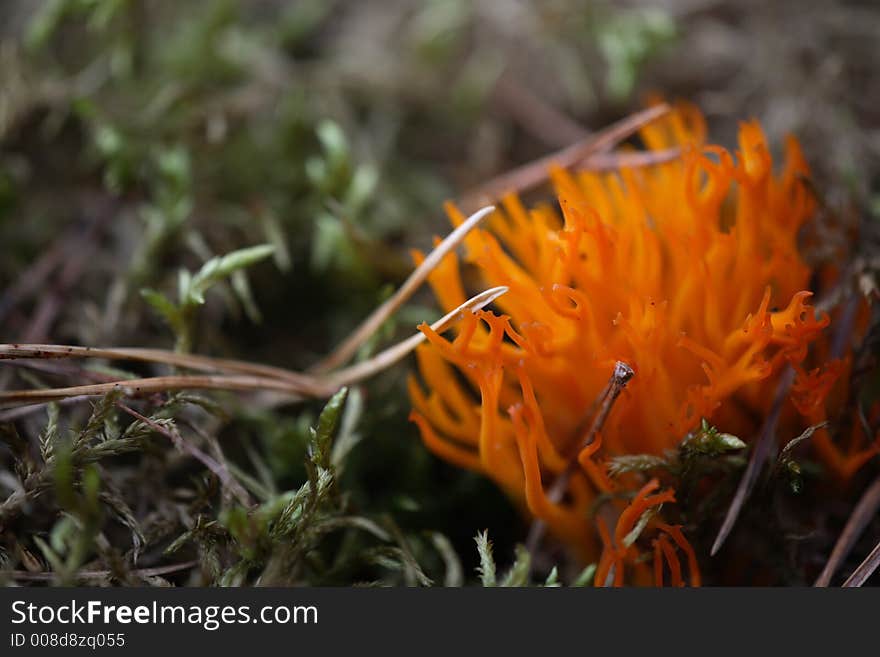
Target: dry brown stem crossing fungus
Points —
{"points": [[327, 376]]}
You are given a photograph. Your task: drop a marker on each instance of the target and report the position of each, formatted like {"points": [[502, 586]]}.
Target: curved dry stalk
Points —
{"points": [[19, 412], [617, 160], [206, 364], [217, 467], [157, 384], [27, 576], [536, 172], [534, 114], [865, 569], [519, 179], [760, 452], [164, 357], [255, 376], [371, 324], [393, 354], [279, 380], [864, 512]]}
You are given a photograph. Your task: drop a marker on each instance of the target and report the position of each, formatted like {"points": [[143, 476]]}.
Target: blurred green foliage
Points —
{"points": [[140, 139], [162, 141]]}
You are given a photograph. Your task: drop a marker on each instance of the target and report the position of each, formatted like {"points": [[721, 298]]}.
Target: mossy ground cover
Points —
{"points": [[246, 179]]}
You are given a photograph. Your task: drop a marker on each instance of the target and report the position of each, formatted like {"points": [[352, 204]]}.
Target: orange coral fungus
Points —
{"points": [[687, 270], [618, 553]]}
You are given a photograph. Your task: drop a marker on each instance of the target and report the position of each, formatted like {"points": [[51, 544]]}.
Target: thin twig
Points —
{"points": [[535, 172], [605, 401], [214, 444], [846, 322], [865, 569], [534, 114], [173, 358], [615, 161], [864, 511], [138, 387], [219, 469], [35, 277], [294, 384], [61, 369], [342, 354], [12, 414], [371, 324], [388, 357], [620, 376], [759, 455], [24, 575]]}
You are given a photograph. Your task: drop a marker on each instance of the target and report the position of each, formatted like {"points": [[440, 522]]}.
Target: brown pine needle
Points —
{"points": [[763, 444], [591, 152], [371, 324], [862, 514], [297, 380], [276, 379], [534, 173], [759, 455], [615, 161], [388, 357], [23, 575], [173, 358], [865, 569], [158, 384], [218, 468], [229, 374]]}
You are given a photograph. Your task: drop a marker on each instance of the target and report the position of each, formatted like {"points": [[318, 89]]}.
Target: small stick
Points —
{"points": [[846, 323], [862, 514], [284, 381], [212, 464], [393, 354], [13, 414], [619, 378], [763, 444], [759, 455], [173, 358], [538, 117], [520, 179], [134, 387], [532, 174], [615, 161], [202, 363], [23, 575], [865, 569]]}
